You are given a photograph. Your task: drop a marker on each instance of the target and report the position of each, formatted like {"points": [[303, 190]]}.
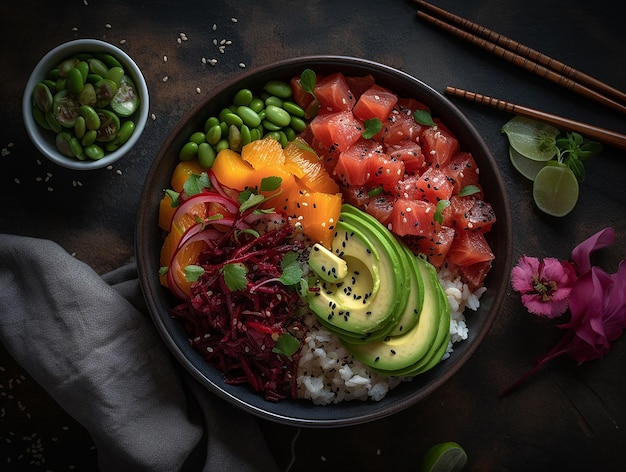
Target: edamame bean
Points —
{"points": [[96, 66], [206, 155], [298, 124], [290, 133], [210, 122], [293, 108], [246, 137], [74, 81], [115, 74], [273, 100], [221, 145], [248, 116], [80, 127], [234, 138], [92, 119], [188, 151], [198, 137], [89, 138], [62, 141], [257, 104], [94, 152], [243, 97], [277, 115], [214, 134], [83, 67], [126, 131], [77, 149], [269, 126], [279, 88], [109, 60], [232, 119]]}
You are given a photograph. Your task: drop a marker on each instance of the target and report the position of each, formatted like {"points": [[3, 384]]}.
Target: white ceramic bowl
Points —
{"points": [[44, 139]]}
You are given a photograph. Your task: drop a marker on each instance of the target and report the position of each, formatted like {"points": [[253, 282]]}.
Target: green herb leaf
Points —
{"points": [[423, 117], [235, 276], [578, 168], [286, 344], [441, 205], [269, 184], [469, 190], [374, 192], [174, 197], [193, 272], [252, 201], [372, 127], [308, 80], [292, 271], [196, 183], [163, 270]]}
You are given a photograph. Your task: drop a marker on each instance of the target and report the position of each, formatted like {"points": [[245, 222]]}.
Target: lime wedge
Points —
{"points": [[525, 166], [531, 138], [555, 190], [445, 457]]}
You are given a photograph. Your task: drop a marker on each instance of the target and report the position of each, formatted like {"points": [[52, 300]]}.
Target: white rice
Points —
{"points": [[329, 374]]}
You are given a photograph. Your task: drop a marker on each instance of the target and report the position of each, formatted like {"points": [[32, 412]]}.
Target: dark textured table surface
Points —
{"points": [[568, 418]]}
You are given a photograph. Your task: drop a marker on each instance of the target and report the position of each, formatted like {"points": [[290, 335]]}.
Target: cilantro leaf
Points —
{"points": [[269, 184], [196, 183], [193, 272], [292, 271], [423, 117], [286, 344], [441, 205], [235, 276], [469, 190], [307, 81], [372, 127]]}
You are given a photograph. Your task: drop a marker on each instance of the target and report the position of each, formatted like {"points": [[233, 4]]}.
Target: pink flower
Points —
{"points": [[545, 285], [597, 304]]}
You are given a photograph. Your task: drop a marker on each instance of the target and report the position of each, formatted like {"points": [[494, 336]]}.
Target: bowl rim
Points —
{"points": [[431, 381], [39, 136]]}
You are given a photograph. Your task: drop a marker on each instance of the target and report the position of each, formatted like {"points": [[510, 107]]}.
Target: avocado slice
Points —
{"points": [[374, 293], [327, 265], [420, 347]]}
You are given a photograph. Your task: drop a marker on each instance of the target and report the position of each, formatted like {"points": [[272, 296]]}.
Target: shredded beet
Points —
{"points": [[236, 331]]}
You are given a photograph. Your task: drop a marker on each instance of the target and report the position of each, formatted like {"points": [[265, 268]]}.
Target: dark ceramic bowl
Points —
{"points": [[303, 412]]}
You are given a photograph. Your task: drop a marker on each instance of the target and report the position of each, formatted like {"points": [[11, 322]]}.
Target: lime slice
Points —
{"points": [[531, 138], [525, 166], [445, 457], [555, 190]]}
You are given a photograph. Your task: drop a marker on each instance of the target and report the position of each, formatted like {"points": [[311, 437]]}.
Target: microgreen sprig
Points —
{"points": [[573, 149]]}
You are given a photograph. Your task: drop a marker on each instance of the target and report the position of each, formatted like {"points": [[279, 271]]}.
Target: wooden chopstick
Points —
{"points": [[606, 136], [525, 51], [524, 62]]}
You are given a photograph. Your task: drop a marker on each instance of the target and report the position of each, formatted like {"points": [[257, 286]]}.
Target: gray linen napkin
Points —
{"points": [[88, 341]]}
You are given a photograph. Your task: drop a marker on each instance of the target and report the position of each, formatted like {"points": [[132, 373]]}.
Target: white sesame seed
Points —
{"points": [[214, 26], [179, 41], [234, 20], [242, 65], [228, 42], [153, 116], [204, 60], [222, 48], [198, 90], [85, 2], [122, 41], [109, 167], [164, 58], [213, 61], [118, 172], [165, 79], [215, 42], [74, 29], [223, 41], [108, 26], [16, 180], [50, 189]]}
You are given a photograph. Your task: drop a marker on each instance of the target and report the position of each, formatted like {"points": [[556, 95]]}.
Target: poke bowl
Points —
{"points": [[169, 302]]}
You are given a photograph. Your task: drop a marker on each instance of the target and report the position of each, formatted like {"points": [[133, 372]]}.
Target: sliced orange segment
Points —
{"points": [[182, 172], [266, 152], [316, 213], [231, 170], [305, 164]]}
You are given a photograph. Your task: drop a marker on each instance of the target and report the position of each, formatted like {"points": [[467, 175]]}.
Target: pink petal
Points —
{"points": [[522, 274], [582, 252]]}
